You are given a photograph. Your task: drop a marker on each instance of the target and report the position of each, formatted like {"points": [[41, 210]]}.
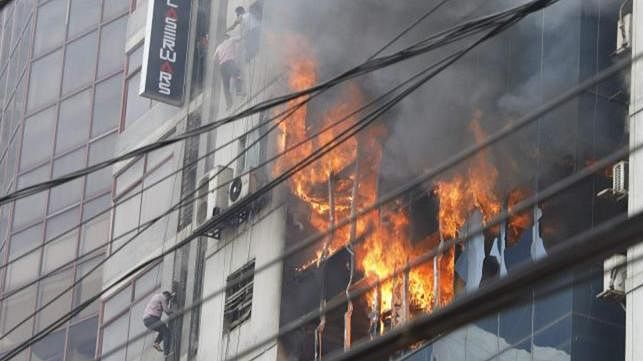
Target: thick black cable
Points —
{"points": [[250, 198], [367, 67], [225, 215], [601, 241], [120, 201], [503, 216], [257, 271], [534, 115], [149, 223]]}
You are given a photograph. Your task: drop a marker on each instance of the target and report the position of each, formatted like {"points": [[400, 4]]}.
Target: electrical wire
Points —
{"points": [[618, 233], [378, 114], [532, 116], [285, 114], [320, 152], [149, 223], [448, 36]]}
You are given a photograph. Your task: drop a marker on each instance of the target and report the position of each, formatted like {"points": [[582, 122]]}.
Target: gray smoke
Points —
{"points": [[432, 124]]}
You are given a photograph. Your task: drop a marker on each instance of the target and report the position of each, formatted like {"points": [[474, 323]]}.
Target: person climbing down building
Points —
{"points": [[159, 304], [226, 55]]}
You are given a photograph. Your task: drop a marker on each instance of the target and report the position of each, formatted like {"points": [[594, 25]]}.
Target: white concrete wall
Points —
{"points": [[634, 298], [263, 241]]}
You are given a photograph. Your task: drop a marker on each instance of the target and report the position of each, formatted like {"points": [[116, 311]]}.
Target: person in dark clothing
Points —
{"points": [[226, 55], [159, 304]]}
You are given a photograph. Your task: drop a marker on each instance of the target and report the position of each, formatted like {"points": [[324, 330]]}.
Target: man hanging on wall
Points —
{"points": [[226, 55], [158, 304]]}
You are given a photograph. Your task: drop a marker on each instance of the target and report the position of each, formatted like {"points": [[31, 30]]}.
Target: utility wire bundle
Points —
{"points": [[190, 199], [361, 125]]}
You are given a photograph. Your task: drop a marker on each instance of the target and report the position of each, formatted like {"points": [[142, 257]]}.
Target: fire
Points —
{"points": [[459, 196], [520, 221], [386, 247]]}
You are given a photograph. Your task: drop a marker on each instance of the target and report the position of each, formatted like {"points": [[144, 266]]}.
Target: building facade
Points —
{"points": [[62, 106], [96, 95]]}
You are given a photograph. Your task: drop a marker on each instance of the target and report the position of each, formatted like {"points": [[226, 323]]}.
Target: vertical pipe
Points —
{"points": [[319, 331], [353, 234]]}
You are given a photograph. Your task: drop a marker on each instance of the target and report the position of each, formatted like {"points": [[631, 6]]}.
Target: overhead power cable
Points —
{"points": [[448, 36], [597, 243], [227, 213], [196, 233], [428, 256], [187, 199], [536, 114], [284, 115]]}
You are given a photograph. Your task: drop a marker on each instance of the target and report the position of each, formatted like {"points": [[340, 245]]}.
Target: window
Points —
{"points": [[38, 138], [135, 105], [122, 318], [111, 8], [83, 15], [80, 61], [112, 47], [45, 80], [73, 122], [50, 26], [238, 297], [82, 340], [107, 105]]}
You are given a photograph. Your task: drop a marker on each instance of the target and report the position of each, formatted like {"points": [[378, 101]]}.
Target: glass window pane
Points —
{"points": [[29, 209], [114, 335], [69, 193], [15, 309], [107, 105], [80, 62], [135, 60], [131, 175], [111, 8], [157, 199], [25, 241], [96, 231], [83, 15], [118, 303], [63, 249], [22, 271], [50, 26], [38, 138], [90, 286], [136, 348], [99, 182], [126, 216], [45, 79], [73, 122], [147, 282], [50, 288], [37, 175], [50, 348], [102, 149], [136, 105], [82, 340], [112, 47]]}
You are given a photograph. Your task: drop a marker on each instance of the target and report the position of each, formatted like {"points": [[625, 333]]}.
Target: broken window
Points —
{"points": [[238, 297]]}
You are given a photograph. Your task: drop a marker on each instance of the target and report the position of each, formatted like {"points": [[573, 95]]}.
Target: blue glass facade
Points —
{"points": [[575, 40]]}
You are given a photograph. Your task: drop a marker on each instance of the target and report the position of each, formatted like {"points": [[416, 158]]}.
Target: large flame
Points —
{"points": [[459, 196], [386, 247]]}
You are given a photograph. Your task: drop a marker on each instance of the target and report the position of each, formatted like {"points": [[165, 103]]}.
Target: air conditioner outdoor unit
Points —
{"points": [[614, 278], [624, 34], [212, 193], [241, 187], [619, 179]]}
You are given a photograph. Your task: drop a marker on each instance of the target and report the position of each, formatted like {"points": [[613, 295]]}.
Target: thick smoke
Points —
{"points": [[504, 78]]}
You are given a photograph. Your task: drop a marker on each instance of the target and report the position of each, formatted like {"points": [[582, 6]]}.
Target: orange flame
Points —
{"points": [[386, 247]]}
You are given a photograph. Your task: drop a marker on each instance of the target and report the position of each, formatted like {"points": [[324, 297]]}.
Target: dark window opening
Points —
{"points": [[238, 297]]}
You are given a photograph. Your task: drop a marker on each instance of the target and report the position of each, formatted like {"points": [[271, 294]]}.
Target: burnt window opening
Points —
{"points": [[238, 297]]}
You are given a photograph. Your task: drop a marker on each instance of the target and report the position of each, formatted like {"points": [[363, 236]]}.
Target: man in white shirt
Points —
{"points": [[226, 56], [249, 29]]}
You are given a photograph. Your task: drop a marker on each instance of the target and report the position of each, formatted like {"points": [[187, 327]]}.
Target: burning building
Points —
{"points": [[295, 45]]}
